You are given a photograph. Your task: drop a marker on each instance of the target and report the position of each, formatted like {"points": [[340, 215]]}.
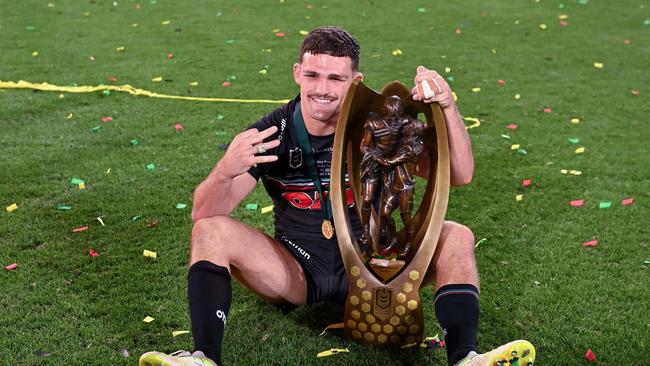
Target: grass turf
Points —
{"points": [[538, 283]]}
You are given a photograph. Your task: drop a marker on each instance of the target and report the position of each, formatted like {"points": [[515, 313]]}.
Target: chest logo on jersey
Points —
{"points": [[295, 157]]}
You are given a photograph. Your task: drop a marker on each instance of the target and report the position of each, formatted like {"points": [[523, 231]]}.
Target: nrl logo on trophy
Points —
{"points": [[379, 142]]}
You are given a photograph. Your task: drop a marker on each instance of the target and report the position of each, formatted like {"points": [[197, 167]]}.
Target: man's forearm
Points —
{"points": [[460, 149]]}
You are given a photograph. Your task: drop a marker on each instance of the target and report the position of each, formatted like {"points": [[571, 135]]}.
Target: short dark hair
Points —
{"points": [[334, 41]]}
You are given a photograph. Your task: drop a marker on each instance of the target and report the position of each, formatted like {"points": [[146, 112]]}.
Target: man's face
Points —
{"points": [[324, 80]]}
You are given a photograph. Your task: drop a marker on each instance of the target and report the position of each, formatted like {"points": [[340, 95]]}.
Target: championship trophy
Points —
{"points": [[379, 142]]}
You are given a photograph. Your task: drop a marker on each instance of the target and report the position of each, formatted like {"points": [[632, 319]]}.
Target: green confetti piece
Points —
{"points": [[219, 14], [647, 263], [230, 41], [522, 152], [583, 2], [251, 206], [106, 92], [266, 66], [153, 2], [561, 6], [64, 207], [30, 28], [134, 142], [136, 218], [77, 181], [450, 78], [96, 128], [181, 206], [151, 167], [422, 10], [646, 22], [505, 136], [574, 140], [232, 77], [220, 117], [605, 204]]}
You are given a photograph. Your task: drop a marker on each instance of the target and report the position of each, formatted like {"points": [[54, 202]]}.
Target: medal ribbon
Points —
{"points": [[303, 140]]}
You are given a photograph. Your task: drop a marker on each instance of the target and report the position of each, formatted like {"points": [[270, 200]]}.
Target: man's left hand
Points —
{"points": [[431, 87]]}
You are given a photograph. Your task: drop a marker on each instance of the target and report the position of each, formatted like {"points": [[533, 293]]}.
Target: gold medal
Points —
{"points": [[327, 229]]}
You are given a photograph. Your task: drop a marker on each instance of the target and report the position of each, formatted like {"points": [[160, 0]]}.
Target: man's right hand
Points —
{"points": [[246, 150]]}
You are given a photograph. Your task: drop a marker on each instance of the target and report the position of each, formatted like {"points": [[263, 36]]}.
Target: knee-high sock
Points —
{"points": [[209, 292], [457, 309]]}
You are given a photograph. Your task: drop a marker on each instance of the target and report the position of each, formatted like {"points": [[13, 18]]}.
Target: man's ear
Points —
{"points": [[358, 75], [296, 73]]}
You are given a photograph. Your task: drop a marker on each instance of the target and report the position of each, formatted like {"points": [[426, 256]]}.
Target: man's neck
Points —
{"points": [[319, 128]]}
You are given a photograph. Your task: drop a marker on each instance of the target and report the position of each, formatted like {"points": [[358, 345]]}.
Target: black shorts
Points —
{"points": [[323, 266]]}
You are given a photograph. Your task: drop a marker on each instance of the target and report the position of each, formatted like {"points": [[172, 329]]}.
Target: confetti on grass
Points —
{"points": [[591, 243], [181, 206], [577, 203], [627, 201], [176, 333], [80, 229], [590, 355], [12, 207], [605, 204], [331, 326], [251, 206], [149, 254], [11, 267], [148, 319], [331, 352], [267, 209], [526, 182]]}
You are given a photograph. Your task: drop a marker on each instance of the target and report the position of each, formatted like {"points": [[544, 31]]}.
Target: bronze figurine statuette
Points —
{"points": [[379, 141]]}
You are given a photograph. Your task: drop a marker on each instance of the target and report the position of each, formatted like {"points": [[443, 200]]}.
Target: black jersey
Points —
{"points": [[298, 211]]}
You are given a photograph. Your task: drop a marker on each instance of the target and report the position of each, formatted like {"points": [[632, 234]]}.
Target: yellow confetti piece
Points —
{"points": [[194, 83], [135, 25], [447, 69], [408, 345], [563, 17], [120, 49], [267, 209], [476, 121], [86, 13], [70, 116], [514, 146], [50, 5], [127, 89], [332, 351], [397, 52], [176, 333], [575, 172], [100, 221], [82, 185], [108, 171], [61, 96], [599, 65], [519, 197], [542, 26], [580, 150], [494, 52], [331, 326], [476, 89], [35, 53], [148, 319], [517, 96], [166, 22], [157, 79], [150, 254], [564, 171], [455, 96], [263, 71], [276, 30], [12, 207], [304, 33], [575, 120], [475, 246]]}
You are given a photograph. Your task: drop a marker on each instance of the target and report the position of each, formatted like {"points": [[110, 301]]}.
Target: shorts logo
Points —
{"points": [[295, 157], [221, 315]]}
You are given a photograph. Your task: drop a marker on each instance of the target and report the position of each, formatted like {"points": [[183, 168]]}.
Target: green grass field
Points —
{"points": [[538, 282]]}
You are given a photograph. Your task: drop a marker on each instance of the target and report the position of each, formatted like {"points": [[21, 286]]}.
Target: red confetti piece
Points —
{"points": [[458, 31], [501, 82], [635, 92], [547, 110], [627, 201], [280, 34], [80, 229], [577, 203], [179, 127], [93, 253], [112, 78], [564, 23], [591, 243], [170, 55], [590, 355], [627, 41], [512, 126], [226, 83], [526, 182], [107, 119], [11, 267]]}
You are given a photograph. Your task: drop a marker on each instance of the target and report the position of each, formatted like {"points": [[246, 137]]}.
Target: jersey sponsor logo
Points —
{"points": [[295, 157], [305, 201]]}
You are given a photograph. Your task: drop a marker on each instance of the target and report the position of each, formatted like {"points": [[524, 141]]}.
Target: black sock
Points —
{"points": [[209, 292], [457, 309]]}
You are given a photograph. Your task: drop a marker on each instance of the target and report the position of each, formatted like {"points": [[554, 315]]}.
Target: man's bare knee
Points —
{"points": [[459, 237], [210, 239]]}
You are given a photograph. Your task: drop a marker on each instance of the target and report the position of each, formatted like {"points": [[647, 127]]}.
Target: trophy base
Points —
{"points": [[385, 268]]}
